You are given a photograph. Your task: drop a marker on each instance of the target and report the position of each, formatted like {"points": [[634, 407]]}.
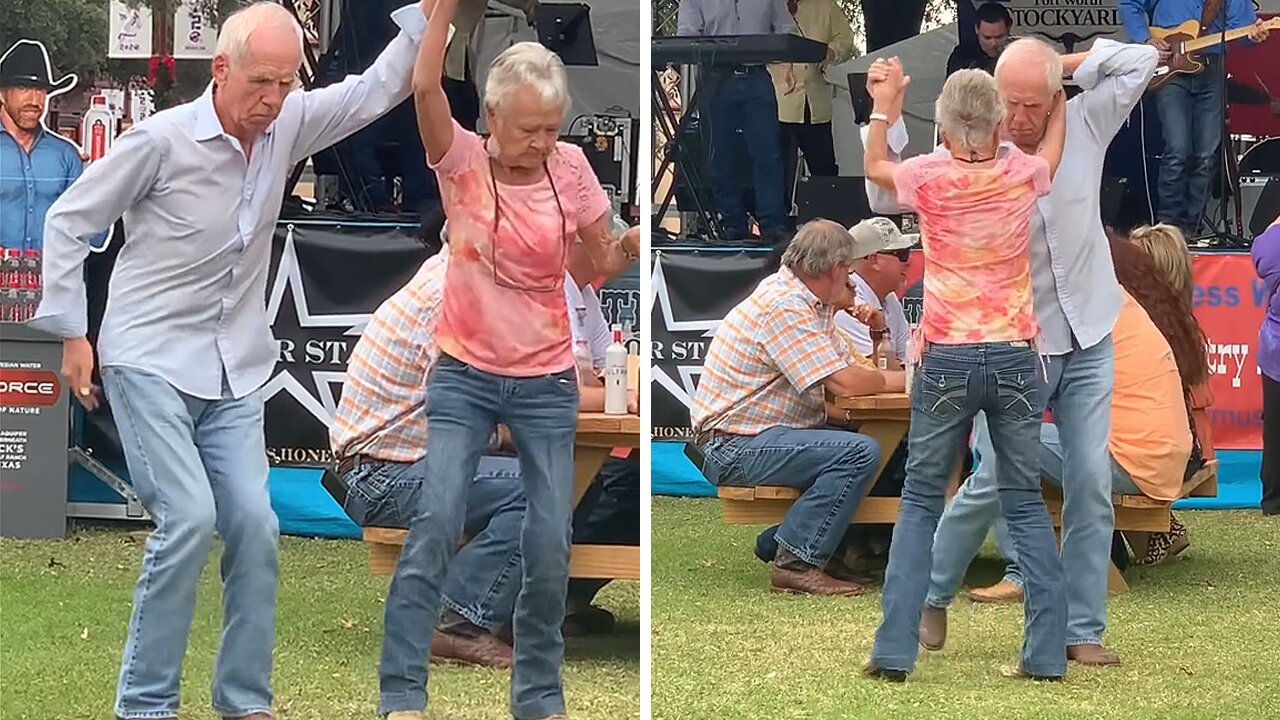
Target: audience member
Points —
{"points": [[1266, 261]]}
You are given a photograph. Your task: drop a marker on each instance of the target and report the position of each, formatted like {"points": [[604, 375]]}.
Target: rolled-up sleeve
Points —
{"points": [[332, 113], [884, 201], [106, 189], [1114, 77]]}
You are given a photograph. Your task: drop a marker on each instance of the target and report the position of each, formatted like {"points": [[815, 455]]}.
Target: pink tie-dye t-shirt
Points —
{"points": [[504, 310], [974, 227]]}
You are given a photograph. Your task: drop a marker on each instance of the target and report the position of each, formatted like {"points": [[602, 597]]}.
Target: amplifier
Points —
{"points": [[610, 146], [1259, 203]]}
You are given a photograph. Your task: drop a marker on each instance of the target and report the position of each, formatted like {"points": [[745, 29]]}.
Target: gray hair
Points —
{"points": [[233, 36], [527, 64], [1034, 50], [969, 110], [819, 246]]}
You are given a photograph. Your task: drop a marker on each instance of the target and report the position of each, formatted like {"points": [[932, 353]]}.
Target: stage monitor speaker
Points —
{"points": [[860, 97], [842, 199], [565, 29], [1259, 203]]}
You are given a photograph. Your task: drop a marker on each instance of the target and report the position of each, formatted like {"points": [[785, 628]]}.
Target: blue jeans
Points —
{"points": [[387, 495], [199, 466], [743, 117], [1190, 108], [833, 468], [1079, 392], [953, 384], [464, 405]]}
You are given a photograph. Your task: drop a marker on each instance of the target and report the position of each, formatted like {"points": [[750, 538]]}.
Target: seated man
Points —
{"points": [[379, 439], [760, 414], [877, 279]]}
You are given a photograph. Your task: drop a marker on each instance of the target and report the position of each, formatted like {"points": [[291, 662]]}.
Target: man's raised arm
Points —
{"points": [[331, 113], [1114, 76]]}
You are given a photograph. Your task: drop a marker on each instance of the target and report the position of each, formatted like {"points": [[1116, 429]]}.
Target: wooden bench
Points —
{"points": [[766, 505], [601, 562], [1139, 513]]}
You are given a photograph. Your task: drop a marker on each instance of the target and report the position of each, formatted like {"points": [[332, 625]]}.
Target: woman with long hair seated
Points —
{"points": [[515, 201]]}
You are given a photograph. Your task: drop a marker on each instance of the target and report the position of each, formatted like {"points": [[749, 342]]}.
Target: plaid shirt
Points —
{"points": [[767, 362], [381, 412]]}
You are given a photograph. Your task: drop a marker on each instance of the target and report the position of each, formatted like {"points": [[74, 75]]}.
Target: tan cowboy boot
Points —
{"points": [[1002, 592]]}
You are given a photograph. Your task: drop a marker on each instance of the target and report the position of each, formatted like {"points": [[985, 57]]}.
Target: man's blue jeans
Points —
{"points": [[1079, 392], [745, 101], [388, 494], [1190, 108], [463, 407], [833, 468], [954, 383], [199, 466]]}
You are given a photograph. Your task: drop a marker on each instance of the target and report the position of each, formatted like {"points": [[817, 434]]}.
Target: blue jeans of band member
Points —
{"points": [[463, 406], [954, 383], [833, 468], [743, 118], [1190, 108], [387, 495], [199, 466], [1079, 392]]}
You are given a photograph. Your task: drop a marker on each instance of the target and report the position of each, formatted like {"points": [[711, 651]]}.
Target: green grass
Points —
{"points": [[64, 607], [1199, 637]]}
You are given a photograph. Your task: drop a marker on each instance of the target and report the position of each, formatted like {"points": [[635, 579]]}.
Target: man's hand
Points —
{"points": [[869, 316], [505, 442], [788, 79], [633, 402], [77, 370], [1163, 46], [631, 241], [828, 60], [1259, 32]]}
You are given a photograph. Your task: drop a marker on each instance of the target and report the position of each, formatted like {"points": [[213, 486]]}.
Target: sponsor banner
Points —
{"points": [[28, 388], [1072, 25], [194, 37], [128, 31], [693, 290], [324, 283]]}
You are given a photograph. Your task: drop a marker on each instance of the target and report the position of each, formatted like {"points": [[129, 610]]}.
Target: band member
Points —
{"points": [[741, 113], [185, 344], [804, 112], [1190, 106], [991, 27]]}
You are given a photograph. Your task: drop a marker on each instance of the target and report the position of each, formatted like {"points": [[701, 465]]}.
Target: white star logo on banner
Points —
{"points": [[683, 388]]}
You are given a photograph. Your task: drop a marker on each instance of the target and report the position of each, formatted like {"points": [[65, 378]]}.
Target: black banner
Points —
{"points": [[325, 281]]}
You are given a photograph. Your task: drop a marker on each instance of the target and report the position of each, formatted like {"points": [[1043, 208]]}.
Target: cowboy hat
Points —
{"points": [[26, 64]]}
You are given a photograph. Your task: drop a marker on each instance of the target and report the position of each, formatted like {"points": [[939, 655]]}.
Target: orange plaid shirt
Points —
{"points": [[767, 362], [381, 413]]}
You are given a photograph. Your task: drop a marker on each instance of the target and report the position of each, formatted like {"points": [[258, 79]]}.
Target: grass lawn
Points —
{"points": [[1199, 637], [64, 607]]}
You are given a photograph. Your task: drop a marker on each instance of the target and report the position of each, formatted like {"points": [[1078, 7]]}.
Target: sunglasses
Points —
{"points": [[903, 254]]}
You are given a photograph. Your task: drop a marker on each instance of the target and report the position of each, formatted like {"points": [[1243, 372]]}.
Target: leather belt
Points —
{"points": [[351, 463]]}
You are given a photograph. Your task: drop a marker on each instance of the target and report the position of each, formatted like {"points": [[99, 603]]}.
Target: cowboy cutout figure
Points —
{"points": [[36, 164]]}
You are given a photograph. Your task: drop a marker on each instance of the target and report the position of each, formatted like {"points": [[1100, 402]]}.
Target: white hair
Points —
{"points": [[233, 36], [1034, 50], [969, 110], [527, 64], [819, 246]]}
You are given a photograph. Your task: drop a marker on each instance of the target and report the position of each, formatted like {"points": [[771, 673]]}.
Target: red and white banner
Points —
{"points": [[1229, 303]]}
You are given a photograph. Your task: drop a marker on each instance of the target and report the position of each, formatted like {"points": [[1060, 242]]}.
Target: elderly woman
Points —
{"points": [[974, 198], [515, 202]]}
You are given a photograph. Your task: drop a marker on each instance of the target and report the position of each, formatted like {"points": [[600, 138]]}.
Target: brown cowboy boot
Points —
{"points": [[933, 628], [793, 575], [483, 650], [1093, 654]]}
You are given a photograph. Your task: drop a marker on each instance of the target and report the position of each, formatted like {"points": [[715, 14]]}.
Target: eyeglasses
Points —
{"points": [[903, 254]]}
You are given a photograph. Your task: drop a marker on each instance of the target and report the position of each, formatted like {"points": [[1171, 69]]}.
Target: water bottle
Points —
{"points": [[615, 375], [882, 352]]}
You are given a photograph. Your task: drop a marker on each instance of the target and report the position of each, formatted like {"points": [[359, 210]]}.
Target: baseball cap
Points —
{"points": [[880, 234]]}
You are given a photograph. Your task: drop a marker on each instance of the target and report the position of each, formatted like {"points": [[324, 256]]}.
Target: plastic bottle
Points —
{"points": [[615, 375], [882, 350], [97, 129]]}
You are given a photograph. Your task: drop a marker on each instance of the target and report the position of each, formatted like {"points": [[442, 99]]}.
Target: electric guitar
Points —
{"points": [[1185, 46]]}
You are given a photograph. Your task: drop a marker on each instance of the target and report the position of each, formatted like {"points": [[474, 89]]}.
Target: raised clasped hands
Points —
{"points": [[887, 84]]}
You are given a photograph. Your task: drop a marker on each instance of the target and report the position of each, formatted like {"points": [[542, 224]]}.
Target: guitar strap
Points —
{"points": [[1210, 13]]}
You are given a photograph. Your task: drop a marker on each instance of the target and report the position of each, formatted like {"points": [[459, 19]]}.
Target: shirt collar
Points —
{"points": [[790, 280]]}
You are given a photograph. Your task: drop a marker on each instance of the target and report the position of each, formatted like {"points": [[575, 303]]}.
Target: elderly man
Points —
{"points": [[877, 279], [760, 416], [185, 344], [1077, 301]]}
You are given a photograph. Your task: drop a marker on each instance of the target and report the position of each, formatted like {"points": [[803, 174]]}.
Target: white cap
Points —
{"points": [[880, 234]]}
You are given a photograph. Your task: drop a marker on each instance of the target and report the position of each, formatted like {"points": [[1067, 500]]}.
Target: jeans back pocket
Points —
{"points": [[1018, 393], [941, 392]]}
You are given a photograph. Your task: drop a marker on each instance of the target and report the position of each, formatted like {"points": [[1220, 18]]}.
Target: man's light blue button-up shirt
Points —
{"points": [[1073, 282], [188, 292]]}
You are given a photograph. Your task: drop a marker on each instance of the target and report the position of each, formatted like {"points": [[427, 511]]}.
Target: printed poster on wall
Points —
{"points": [[194, 37], [129, 31]]}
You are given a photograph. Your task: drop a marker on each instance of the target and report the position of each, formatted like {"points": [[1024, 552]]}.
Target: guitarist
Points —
{"points": [[1190, 106]]}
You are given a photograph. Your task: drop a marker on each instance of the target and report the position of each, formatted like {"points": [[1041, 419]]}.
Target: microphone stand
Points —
{"points": [[1222, 237]]}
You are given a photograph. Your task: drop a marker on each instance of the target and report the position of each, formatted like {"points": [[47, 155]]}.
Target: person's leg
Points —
{"points": [[460, 418], [1173, 104], [229, 435], [965, 523], [942, 409], [1082, 412], [157, 433], [542, 413], [819, 148], [1206, 134], [1014, 411], [1270, 446], [759, 118], [720, 116], [788, 146], [613, 518]]}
